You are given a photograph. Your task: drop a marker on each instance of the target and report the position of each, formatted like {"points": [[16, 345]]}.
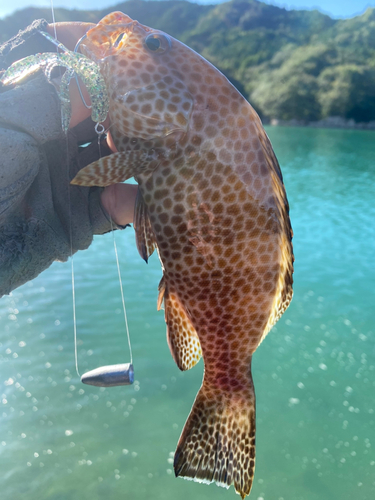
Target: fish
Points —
{"points": [[211, 201]]}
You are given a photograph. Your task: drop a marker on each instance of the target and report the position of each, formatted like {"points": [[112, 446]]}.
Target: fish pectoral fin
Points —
{"points": [[217, 443], [144, 234], [182, 338], [117, 167]]}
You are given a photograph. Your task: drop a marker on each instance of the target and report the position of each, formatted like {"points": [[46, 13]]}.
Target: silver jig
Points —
{"points": [[110, 376]]}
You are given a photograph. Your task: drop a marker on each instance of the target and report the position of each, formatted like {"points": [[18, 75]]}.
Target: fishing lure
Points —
{"points": [[77, 65], [110, 376]]}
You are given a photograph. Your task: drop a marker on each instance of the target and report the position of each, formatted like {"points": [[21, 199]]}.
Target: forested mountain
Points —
{"points": [[289, 64]]}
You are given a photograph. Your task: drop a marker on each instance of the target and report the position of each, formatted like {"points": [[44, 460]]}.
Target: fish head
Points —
{"points": [[148, 96]]}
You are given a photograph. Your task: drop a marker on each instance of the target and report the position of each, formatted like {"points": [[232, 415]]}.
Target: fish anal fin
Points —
{"points": [[117, 167], [144, 234], [182, 338], [217, 443]]}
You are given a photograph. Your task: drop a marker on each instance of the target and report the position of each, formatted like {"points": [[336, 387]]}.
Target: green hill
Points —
{"points": [[289, 64]]}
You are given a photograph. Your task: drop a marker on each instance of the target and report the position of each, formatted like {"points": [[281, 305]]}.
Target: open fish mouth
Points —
{"points": [[112, 36], [106, 41]]}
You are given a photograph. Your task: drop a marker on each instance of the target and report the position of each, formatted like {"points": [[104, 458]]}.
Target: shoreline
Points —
{"points": [[330, 122]]}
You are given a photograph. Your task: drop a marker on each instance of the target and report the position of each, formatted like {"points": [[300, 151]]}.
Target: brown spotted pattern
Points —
{"points": [[111, 169], [182, 338], [219, 440], [214, 205]]}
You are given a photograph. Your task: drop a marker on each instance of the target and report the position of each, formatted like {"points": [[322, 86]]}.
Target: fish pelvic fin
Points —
{"points": [[117, 167], [144, 234], [217, 443], [182, 338]]}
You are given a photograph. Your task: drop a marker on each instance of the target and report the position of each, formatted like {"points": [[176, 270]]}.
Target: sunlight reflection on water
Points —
{"points": [[314, 374]]}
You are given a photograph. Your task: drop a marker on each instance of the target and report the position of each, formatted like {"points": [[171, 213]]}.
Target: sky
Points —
{"points": [[334, 8]]}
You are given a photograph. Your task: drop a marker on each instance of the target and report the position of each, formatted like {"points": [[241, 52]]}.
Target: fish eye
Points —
{"points": [[157, 43]]}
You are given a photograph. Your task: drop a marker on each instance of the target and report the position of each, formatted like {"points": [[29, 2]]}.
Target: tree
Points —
{"points": [[348, 90], [288, 98]]}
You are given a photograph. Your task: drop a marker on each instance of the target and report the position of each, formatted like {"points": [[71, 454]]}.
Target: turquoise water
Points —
{"points": [[314, 374]]}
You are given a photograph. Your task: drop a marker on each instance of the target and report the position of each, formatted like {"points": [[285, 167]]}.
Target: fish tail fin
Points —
{"points": [[217, 443]]}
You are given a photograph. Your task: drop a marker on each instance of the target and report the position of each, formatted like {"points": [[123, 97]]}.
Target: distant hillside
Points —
{"points": [[290, 64]]}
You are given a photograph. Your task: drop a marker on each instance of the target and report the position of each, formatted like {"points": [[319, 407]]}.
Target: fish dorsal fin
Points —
{"points": [[182, 338], [145, 238], [117, 167]]}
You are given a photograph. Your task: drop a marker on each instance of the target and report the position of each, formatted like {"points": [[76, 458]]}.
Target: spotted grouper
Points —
{"points": [[211, 200]]}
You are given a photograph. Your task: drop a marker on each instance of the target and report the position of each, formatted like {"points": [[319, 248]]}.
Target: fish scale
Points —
{"points": [[212, 201]]}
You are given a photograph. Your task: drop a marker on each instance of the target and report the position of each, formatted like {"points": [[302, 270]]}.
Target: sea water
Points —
{"points": [[314, 374]]}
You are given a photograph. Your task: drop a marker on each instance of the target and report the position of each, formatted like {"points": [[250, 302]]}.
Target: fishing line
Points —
{"points": [[74, 320], [112, 375], [70, 216], [100, 130], [122, 294], [53, 20], [77, 80], [120, 374], [72, 260]]}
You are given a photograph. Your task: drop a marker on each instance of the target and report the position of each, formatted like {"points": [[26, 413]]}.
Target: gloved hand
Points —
{"points": [[42, 217]]}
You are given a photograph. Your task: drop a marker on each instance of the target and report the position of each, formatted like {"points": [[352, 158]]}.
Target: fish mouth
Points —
{"points": [[111, 35], [106, 41], [141, 111]]}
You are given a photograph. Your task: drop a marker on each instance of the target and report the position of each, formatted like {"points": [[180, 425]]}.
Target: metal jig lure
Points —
{"points": [[110, 376]]}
